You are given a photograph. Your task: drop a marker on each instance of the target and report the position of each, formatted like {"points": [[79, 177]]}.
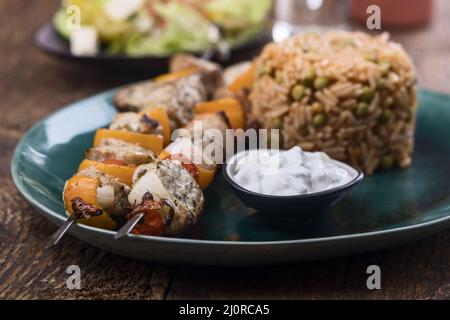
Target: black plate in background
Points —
{"points": [[50, 42]]}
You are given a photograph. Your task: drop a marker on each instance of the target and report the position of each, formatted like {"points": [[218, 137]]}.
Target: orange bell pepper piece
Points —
{"points": [[232, 108], [244, 80], [148, 141], [123, 173], [159, 114], [176, 75], [205, 176], [86, 189]]}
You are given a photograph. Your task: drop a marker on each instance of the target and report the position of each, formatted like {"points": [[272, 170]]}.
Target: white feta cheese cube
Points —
{"points": [[84, 41]]}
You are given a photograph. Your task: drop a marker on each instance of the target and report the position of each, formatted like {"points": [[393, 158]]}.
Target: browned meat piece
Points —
{"points": [[184, 61], [209, 121], [211, 72], [178, 96], [113, 149], [170, 186], [112, 195], [134, 122], [83, 209]]}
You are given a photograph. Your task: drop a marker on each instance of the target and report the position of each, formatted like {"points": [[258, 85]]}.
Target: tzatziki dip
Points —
{"points": [[288, 172]]}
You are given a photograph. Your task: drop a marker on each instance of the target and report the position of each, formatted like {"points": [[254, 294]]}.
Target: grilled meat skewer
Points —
{"points": [[178, 92], [159, 187], [112, 195]]}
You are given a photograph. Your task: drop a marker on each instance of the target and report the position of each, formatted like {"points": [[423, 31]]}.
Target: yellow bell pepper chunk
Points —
{"points": [[244, 81], [148, 141], [232, 108], [176, 75], [159, 114], [123, 173], [205, 176], [86, 189]]}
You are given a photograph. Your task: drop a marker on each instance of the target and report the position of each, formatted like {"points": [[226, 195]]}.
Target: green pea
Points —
{"points": [[386, 162], [381, 84], [317, 107], [408, 115], [321, 83], [279, 77], [385, 65], [263, 70], [362, 110], [310, 74], [389, 101], [298, 92], [367, 94], [278, 123], [308, 79], [319, 120], [372, 57], [386, 115]]}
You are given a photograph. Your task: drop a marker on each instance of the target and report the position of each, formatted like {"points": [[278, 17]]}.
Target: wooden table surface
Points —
{"points": [[33, 85]]}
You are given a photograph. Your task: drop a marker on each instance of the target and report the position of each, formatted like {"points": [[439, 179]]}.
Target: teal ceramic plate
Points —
{"points": [[388, 209]]}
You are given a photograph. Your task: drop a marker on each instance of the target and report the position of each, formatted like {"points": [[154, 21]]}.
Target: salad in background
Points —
{"points": [[158, 27]]}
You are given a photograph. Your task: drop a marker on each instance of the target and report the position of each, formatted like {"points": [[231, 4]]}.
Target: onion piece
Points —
{"points": [[149, 182], [105, 196]]}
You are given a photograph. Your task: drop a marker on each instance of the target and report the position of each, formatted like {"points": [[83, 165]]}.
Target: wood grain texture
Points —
{"points": [[33, 85]]}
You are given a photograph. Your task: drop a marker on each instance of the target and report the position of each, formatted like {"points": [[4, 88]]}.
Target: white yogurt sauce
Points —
{"points": [[288, 173]]}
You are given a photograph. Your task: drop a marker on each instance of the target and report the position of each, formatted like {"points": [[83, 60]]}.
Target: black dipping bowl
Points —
{"points": [[298, 207]]}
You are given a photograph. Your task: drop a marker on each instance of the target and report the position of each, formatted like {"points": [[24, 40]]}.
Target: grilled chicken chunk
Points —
{"points": [[211, 72], [169, 197], [120, 151], [209, 127], [112, 195], [208, 121], [179, 96], [134, 122]]}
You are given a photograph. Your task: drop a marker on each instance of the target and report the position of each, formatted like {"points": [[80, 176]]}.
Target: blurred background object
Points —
{"points": [[159, 28], [311, 12], [395, 13], [319, 15], [130, 36], [292, 16]]}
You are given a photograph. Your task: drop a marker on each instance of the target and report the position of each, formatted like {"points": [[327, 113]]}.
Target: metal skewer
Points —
{"points": [[54, 239], [126, 229], [129, 226]]}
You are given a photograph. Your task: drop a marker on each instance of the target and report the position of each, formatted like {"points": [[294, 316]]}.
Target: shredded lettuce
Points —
{"points": [[184, 30], [60, 23], [238, 14]]}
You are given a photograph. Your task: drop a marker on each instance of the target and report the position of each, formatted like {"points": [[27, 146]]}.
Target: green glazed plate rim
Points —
{"points": [[175, 240]]}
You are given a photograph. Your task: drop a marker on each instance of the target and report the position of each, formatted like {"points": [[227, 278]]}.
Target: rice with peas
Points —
{"points": [[350, 95]]}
